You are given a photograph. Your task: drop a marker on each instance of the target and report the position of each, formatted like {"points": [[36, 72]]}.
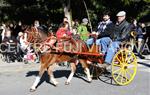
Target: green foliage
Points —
{"points": [[52, 10], [148, 1], [126, 2], [29, 10]]}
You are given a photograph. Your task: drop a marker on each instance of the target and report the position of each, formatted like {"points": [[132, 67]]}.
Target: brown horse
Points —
{"points": [[48, 60]]}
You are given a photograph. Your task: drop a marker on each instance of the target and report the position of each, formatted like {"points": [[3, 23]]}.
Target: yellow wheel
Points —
{"points": [[124, 67]]}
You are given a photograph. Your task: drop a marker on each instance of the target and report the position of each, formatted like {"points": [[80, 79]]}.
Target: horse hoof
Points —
{"points": [[90, 81], [32, 90], [55, 84], [67, 83]]}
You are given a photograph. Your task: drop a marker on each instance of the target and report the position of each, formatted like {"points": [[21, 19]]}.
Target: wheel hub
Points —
{"points": [[124, 66]]}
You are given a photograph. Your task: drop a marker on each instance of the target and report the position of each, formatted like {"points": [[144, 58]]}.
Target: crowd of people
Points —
{"points": [[109, 34]]}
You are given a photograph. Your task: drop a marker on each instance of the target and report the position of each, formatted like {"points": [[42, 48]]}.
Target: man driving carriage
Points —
{"points": [[103, 26]]}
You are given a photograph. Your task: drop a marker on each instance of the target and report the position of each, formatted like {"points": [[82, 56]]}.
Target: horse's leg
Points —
{"points": [[37, 80], [73, 69], [50, 72], [86, 69]]}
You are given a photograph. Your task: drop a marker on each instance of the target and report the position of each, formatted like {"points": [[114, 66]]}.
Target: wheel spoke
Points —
{"points": [[129, 73], [131, 67], [118, 75], [122, 76], [118, 59], [131, 56], [122, 57], [117, 70], [129, 59], [117, 65], [126, 57], [126, 78], [133, 63]]}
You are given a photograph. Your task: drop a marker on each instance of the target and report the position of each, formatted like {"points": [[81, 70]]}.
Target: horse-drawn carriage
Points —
{"points": [[123, 67]]}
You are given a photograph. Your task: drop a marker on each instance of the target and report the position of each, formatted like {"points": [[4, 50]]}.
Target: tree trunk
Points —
{"points": [[68, 14]]}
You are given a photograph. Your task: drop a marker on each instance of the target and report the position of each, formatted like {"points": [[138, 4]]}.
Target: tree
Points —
{"points": [[54, 10]]}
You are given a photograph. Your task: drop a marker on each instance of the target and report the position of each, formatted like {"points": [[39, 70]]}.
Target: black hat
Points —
{"points": [[106, 13]]}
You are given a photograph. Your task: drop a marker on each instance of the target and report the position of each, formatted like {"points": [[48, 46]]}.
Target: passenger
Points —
{"points": [[65, 19], [63, 31], [83, 31], [121, 32], [36, 25]]}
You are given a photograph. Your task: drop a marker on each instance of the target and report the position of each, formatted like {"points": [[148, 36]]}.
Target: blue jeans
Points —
{"points": [[98, 42], [104, 43], [114, 46], [90, 41]]}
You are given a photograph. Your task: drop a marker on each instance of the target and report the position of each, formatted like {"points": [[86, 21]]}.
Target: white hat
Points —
{"points": [[121, 13], [85, 20]]}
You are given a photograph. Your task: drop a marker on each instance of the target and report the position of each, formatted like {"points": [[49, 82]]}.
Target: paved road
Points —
{"points": [[16, 79]]}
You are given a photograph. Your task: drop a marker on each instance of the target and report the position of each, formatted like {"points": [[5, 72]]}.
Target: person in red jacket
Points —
{"points": [[63, 31]]}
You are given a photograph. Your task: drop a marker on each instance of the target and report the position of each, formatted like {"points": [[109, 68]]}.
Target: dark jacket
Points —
{"points": [[103, 25], [107, 32], [121, 31]]}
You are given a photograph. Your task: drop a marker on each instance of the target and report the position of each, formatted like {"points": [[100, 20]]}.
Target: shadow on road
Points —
{"points": [[145, 64], [57, 74], [32, 73], [108, 79]]}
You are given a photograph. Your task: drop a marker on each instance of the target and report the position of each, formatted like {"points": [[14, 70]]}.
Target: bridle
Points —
{"points": [[33, 35]]}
